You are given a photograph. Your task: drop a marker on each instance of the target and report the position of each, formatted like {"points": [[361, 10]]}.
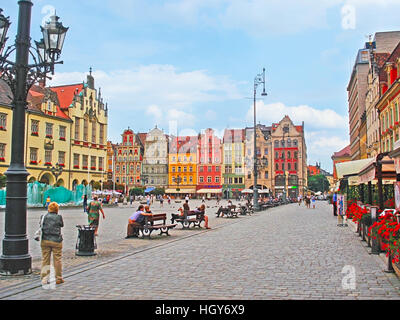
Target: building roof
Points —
{"points": [[67, 93], [345, 152], [5, 93], [233, 135], [142, 136]]}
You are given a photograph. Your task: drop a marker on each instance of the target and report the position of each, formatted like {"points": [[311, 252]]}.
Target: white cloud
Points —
{"points": [[159, 91], [314, 118]]}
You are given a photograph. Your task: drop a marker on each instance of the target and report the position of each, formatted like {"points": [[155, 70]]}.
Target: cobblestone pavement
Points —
{"points": [[287, 252]]}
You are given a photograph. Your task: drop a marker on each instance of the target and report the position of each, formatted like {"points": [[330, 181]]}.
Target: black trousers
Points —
{"points": [[334, 209]]}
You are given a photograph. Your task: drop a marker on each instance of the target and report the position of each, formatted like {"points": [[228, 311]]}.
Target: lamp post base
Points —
{"points": [[15, 265]]}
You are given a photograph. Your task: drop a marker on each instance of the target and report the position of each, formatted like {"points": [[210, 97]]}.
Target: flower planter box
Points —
{"points": [[47, 163], [35, 134], [2, 159], [49, 137], [396, 268], [33, 162], [62, 138], [61, 164], [76, 167]]}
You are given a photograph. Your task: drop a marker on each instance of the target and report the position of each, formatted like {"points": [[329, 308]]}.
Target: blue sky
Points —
{"points": [[194, 61]]}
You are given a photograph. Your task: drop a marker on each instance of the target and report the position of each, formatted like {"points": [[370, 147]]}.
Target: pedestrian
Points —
{"points": [[217, 200], [334, 200], [169, 200], [203, 199], [131, 199], [148, 200], [93, 214], [161, 201], [299, 200], [187, 198], [47, 202], [308, 201], [313, 201], [51, 243], [84, 203]]}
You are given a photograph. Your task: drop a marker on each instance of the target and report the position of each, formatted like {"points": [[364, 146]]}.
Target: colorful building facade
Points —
{"points": [[233, 165], [209, 164]]}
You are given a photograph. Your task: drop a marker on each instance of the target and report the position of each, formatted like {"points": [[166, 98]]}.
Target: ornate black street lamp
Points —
{"points": [[259, 79], [20, 76]]}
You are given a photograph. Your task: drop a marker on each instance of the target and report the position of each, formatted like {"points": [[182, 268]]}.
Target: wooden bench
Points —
{"points": [[151, 223], [232, 212], [188, 218]]}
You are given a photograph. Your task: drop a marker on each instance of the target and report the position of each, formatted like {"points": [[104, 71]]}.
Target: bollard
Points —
{"points": [[86, 242]]}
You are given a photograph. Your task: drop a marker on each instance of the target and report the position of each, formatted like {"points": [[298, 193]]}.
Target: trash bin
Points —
{"points": [[86, 242]]}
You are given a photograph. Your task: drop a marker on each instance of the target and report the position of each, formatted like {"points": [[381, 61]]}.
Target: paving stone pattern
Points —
{"points": [[287, 252]]}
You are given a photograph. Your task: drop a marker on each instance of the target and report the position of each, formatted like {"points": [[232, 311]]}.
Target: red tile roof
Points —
{"points": [[345, 152], [66, 94]]}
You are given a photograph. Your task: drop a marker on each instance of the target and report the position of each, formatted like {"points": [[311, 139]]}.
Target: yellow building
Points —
{"points": [[65, 125], [182, 165]]}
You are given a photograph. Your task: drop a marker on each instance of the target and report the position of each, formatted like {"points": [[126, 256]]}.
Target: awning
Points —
{"points": [[350, 168], [181, 191], [368, 172], [149, 189], [263, 191], [209, 191], [247, 191]]}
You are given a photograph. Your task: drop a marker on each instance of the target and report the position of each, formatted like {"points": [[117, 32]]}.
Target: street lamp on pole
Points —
{"points": [[258, 80], [20, 75]]}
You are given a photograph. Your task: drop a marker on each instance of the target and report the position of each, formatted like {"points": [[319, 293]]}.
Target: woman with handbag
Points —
{"points": [[51, 243]]}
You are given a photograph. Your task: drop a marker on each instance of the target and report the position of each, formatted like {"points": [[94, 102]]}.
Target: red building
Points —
{"points": [[314, 170], [128, 160], [209, 164], [343, 155]]}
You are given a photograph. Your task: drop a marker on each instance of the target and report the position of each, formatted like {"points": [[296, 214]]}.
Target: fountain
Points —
{"points": [[37, 194]]}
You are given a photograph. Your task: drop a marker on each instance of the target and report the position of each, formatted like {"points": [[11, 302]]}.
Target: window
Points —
{"points": [[173, 169], [85, 160], [190, 179], [49, 130], [93, 162], [33, 155], [76, 160], [209, 179], [276, 167], [295, 154], [266, 151], [101, 160], [185, 179], [295, 143], [217, 169], [209, 169], [289, 166], [217, 179], [62, 132], [184, 169], [295, 166], [283, 167], [288, 155], [35, 127], [77, 126], [179, 169], [101, 135], [2, 151], [85, 130], [276, 155], [94, 128], [201, 169], [249, 175], [47, 157], [190, 169], [61, 157], [201, 179], [276, 144], [266, 175], [3, 121]]}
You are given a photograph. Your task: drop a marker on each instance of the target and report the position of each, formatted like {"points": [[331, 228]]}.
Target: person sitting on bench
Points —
{"points": [[221, 211], [181, 212], [201, 211], [137, 218]]}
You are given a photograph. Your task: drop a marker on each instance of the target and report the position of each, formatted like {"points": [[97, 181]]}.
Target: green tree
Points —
{"points": [[158, 191], [318, 183], [136, 191]]}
